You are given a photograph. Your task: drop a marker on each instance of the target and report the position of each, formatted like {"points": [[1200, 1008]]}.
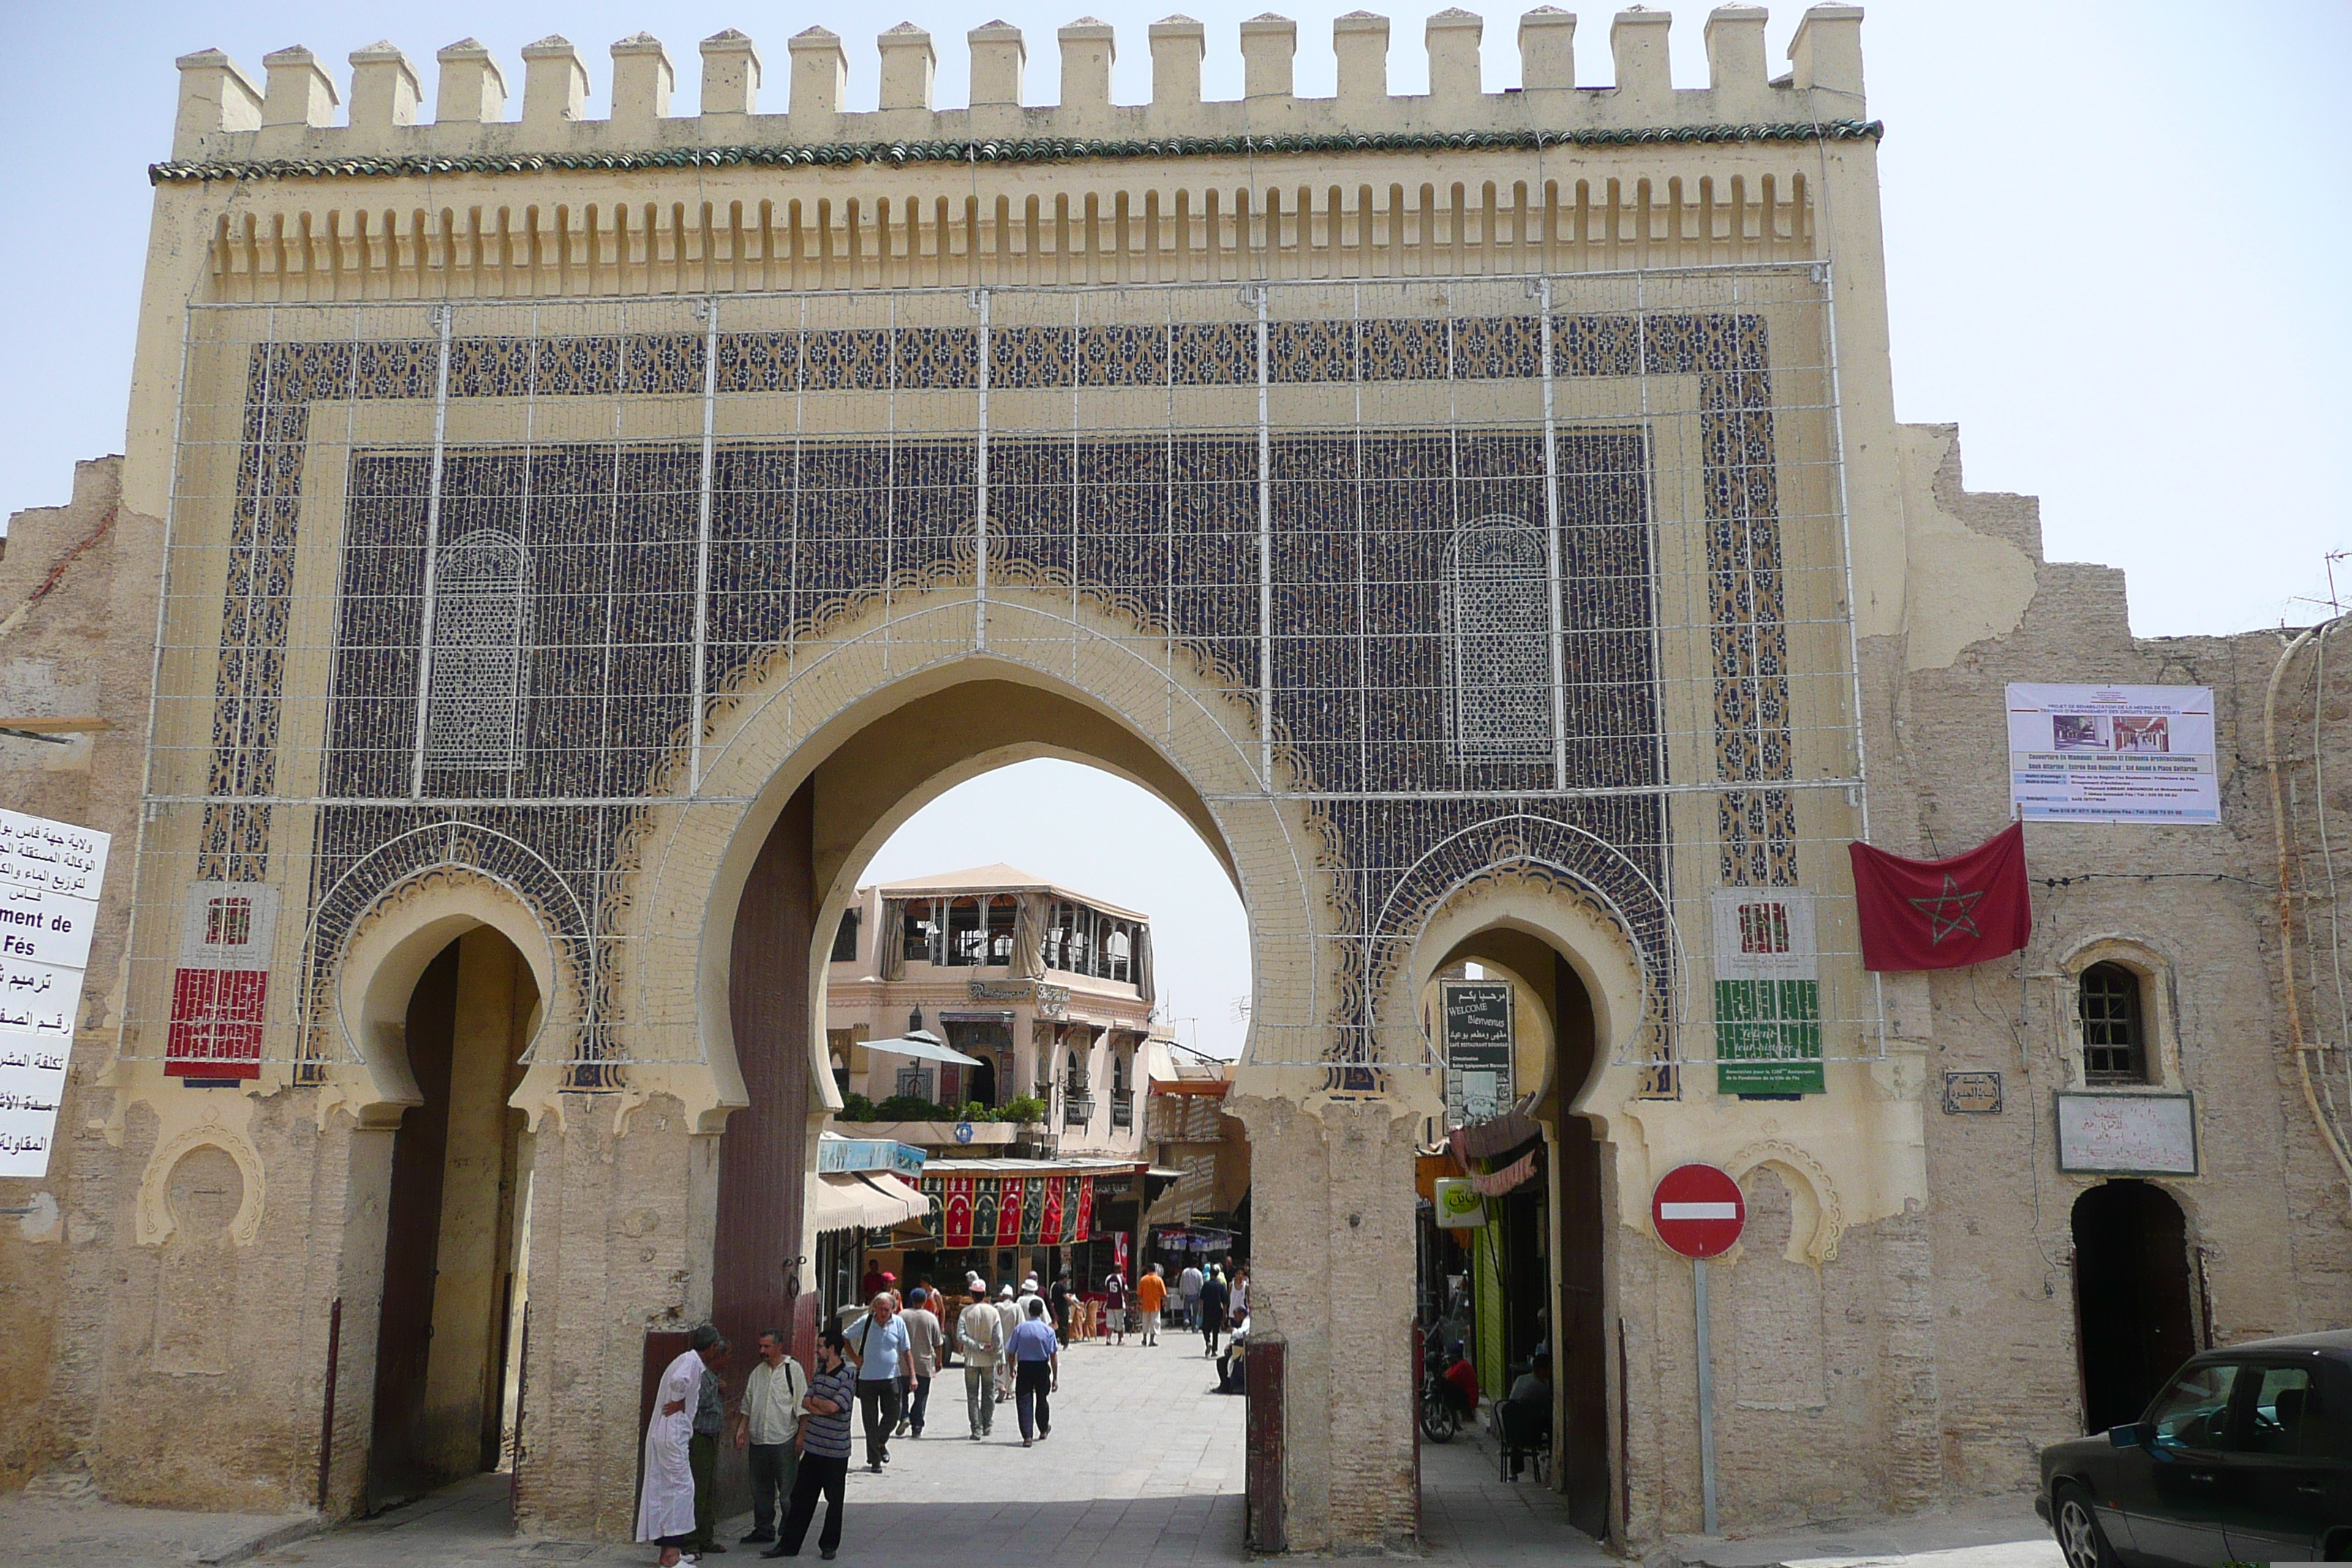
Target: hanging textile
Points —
{"points": [[958, 1210], [1087, 1213], [1143, 962], [890, 944], [1008, 1214], [1056, 1189], [1028, 936], [1943, 914]]}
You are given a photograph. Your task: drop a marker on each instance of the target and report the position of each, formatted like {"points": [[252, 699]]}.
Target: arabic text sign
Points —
{"points": [[2127, 1134], [49, 877], [55, 857], [32, 1083], [2113, 753]]}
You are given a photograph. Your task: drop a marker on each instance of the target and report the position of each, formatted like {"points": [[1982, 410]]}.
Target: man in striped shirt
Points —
{"points": [[824, 1441]]}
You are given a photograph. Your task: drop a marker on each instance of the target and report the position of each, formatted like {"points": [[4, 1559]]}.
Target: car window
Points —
{"points": [[2283, 1403], [2195, 1411], [2327, 1416]]}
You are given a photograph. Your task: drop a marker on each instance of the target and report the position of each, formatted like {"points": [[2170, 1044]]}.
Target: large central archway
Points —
{"points": [[816, 764]]}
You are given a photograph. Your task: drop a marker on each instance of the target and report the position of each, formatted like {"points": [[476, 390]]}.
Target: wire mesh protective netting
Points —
{"points": [[1536, 577]]}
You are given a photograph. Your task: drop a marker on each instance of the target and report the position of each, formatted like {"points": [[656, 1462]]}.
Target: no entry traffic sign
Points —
{"points": [[1697, 1211]]}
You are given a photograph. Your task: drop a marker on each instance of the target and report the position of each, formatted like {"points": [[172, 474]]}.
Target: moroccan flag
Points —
{"points": [[1943, 914]]}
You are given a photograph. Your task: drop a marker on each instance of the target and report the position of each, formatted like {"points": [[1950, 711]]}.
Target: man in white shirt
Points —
{"points": [[770, 1420], [1187, 1285], [980, 1334], [1008, 1318]]}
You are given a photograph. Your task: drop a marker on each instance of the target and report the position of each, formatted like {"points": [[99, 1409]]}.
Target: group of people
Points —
{"points": [[793, 1423], [793, 1426]]}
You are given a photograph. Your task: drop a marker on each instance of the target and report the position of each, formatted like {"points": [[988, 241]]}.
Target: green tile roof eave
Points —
{"points": [[1056, 150]]}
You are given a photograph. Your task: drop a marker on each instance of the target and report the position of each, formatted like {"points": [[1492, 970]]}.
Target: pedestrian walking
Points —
{"points": [[1214, 1297], [1115, 1306], [878, 1345], [980, 1334], [1037, 1372], [927, 1339], [1008, 1315], [1063, 1298], [1188, 1286], [1150, 1296], [702, 1452], [765, 1428], [824, 1442], [666, 1496], [1240, 1291]]}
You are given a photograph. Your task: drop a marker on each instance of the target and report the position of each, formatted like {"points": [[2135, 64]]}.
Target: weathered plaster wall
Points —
{"points": [[78, 588]]}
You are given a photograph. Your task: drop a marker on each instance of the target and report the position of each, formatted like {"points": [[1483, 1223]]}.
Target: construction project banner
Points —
{"points": [[49, 877], [2113, 753]]}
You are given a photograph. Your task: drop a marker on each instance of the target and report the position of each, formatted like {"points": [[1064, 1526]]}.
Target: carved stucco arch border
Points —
{"points": [[375, 967], [1813, 1191], [1557, 907], [690, 858], [153, 1222]]}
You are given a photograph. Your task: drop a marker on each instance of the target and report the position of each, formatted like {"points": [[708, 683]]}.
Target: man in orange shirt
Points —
{"points": [[1151, 1291]]}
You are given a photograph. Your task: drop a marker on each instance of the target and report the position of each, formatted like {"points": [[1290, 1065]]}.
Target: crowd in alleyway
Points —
{"points": [[794, 1422]]}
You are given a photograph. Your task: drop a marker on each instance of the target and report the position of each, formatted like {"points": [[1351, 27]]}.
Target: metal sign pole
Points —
{"points": [[1705, 1398]]}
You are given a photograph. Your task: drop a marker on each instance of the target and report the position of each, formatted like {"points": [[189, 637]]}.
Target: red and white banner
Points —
{"points": [[220, 993]]}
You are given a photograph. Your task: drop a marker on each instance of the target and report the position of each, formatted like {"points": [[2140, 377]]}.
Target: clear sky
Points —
{"points": [[2116, 243]]}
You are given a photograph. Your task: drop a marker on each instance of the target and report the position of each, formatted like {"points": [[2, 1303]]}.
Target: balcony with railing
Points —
{"points": [[1077, 1103], [1122, 1108]]}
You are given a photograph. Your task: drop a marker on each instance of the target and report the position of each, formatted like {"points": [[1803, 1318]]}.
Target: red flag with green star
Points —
{"points": [[1943, 914]]}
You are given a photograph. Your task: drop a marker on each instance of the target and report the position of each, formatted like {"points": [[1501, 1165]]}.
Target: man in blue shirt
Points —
{"points": [[1036, 1356], [884, 1355]]}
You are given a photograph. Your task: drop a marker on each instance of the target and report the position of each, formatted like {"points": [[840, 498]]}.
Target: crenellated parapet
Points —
{"points": [[227, 125]]}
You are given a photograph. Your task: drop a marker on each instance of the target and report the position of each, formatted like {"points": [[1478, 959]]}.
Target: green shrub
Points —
{"points": [[857, 1108], [1023, 1108]]}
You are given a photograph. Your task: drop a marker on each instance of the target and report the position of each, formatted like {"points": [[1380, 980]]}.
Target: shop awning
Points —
{"points": [[866, 1200], [922, 1043]]}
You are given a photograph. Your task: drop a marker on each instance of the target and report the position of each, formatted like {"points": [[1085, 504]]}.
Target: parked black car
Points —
{"points": [[2245, 1457]]}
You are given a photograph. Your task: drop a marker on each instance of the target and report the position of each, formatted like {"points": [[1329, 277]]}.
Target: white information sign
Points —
{"points": [[2113, 753], [45, 926], [2127, 1134], [49, 877]]}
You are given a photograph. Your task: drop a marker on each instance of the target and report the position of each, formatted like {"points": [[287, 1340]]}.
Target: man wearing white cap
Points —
{"points": [[980, 1334]]}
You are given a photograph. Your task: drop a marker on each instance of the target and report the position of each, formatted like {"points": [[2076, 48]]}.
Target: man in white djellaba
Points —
{"points": [[666, 1508]]}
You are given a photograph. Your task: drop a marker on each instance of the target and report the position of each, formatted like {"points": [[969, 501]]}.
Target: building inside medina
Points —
{"points": [[551, 552]]}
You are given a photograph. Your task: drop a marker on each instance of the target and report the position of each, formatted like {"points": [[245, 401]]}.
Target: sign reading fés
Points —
{"points": [[49, 877], [2113, 753], [1477, 1034]]}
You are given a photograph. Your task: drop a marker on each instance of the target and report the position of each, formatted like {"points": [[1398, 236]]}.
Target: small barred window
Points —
{"points": [[1498, 629], [481, 622], [2115, 1035]]}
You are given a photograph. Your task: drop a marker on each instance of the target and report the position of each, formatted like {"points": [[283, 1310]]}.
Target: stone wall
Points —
{"points": [[78, 588]]}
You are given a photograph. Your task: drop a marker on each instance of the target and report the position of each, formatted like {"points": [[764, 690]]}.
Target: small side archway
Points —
{"points": [[1567, 956], [436, 997]]}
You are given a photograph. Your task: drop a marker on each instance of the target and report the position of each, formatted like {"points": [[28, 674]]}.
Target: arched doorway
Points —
{"points": [[1541, 1255], [858, 782], [455, 1227], [2134, 1325]]}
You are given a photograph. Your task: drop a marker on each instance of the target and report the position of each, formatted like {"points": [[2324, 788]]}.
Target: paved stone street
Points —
{"points": [[1144, 1468]]}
